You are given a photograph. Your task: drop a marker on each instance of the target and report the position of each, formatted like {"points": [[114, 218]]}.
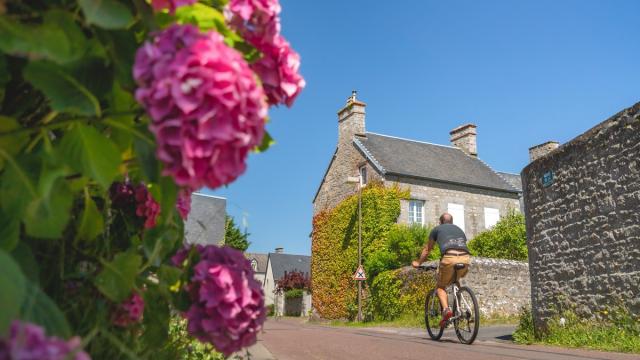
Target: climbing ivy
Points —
{"points": [[335, 245]]}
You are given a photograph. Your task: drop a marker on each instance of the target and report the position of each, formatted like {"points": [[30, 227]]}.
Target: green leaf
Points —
{"points": [[156, 320], [17, 187], [108, 14], [91, 222], [200, 15], [117, 277], [9, 231], [146, 156], [267, 142], [57, 39], [65, 92], [12, 283], [169, 195], [94, 155], [13, 143], [24, 257], [158, 243], [122, 46], [5, 77], [93, 73], [38, 308], [47, 216]]}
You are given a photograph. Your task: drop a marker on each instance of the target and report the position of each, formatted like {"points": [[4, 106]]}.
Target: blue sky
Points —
{"points": [[523, 71]]}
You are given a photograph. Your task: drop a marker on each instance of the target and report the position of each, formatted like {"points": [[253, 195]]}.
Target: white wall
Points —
{"points": [[269, 284]]}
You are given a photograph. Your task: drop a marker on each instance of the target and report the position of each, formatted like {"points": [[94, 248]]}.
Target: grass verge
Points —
{"points": [[416, 321], [617, 331]]}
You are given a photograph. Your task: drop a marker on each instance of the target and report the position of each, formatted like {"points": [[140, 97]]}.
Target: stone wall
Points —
{"points": [[436, 196], [582, 204], [501, 286]]}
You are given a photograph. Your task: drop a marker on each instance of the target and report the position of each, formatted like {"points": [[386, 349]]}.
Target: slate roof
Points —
{"points": [[261, 259], [288, 262], [513, 179], [410, 158], [206, 221]]}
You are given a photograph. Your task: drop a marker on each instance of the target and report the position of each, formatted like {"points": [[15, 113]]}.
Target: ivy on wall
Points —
{"points": [[335, 245]]}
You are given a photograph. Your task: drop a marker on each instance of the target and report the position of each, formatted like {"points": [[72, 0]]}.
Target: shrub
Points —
{"points": [[335, 245], [400, 292], [506, 240], [294, 280], [293, 294], [183, 347]]}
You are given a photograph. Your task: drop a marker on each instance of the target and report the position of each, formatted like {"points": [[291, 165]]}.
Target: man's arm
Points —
{"points": [[425, 253]]}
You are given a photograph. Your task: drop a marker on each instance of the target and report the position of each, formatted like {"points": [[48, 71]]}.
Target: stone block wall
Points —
{"points": [[582, 205], [501, 286], [437, 196]]}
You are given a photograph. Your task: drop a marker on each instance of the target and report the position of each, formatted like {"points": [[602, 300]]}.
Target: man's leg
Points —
{"points": [[442, 295]]}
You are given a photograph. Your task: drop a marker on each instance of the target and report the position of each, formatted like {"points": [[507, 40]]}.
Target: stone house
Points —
{"points": [[440, 178], [277, 264], [259, 265]]}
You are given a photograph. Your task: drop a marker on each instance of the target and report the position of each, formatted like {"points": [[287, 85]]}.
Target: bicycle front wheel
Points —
{"points": [[467, 314], [432, 315]]}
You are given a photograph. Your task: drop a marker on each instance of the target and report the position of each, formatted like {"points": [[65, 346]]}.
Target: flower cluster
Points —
{"points": [[172, 5], [183, 203], [227, 303], [135, 199], [129, 311], [28, 341], [258, 22], [208, 112], [146, 207]]}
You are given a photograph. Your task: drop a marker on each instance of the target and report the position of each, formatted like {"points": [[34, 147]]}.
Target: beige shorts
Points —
{"points": [[446, 270]]}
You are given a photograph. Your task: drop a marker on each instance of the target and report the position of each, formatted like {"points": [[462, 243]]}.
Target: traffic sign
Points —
{"points": [[360, 275]]}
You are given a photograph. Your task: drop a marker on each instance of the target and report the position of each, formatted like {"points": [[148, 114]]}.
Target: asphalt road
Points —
{"points": [[292, 339]]}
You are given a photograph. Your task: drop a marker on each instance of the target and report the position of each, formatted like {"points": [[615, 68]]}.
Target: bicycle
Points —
{"points": [[466, 314]]}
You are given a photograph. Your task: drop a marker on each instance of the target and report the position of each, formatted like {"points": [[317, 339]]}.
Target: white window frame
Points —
{"points": [[457, 211], [419, 204], [254, 265], [363, 175], [491, 217]]}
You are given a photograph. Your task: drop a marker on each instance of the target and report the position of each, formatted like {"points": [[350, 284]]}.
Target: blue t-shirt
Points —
{"points": [[449, 236]]}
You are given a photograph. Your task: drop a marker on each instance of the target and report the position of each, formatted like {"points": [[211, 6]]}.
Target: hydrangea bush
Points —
{"points": [[111, 114]]}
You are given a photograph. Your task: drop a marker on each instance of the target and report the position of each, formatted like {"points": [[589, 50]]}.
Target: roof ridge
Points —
{"points": [[495, 172], [416, 141], [506, 172], [211, 196], [368, 154]]}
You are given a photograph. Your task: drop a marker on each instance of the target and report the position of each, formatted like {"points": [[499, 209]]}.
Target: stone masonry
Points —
{"points": [[437, 195], [582, 204], [501, 286]]}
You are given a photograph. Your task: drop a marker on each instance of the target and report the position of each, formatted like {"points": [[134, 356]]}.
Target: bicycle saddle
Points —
{"points": [[459, 266]]}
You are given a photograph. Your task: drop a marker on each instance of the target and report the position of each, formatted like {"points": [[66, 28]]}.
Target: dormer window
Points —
{"points": [[254, 264], [363, 175]]}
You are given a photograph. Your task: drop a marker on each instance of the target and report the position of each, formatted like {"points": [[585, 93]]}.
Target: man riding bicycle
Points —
{"points": [[453, 247]]}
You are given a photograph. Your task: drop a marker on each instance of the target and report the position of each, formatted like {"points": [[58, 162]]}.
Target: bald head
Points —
{"points": [[446, 218]]}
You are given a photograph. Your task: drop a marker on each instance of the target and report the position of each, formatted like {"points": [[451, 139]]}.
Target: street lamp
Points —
{"points": [[358, 180]]}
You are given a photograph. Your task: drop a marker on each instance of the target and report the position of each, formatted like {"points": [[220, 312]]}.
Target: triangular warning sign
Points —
{"points": [[359, 275]]}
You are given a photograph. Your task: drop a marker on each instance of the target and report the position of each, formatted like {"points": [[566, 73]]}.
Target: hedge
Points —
{"points": [[506, 240], [400, 292], [335, 245]]}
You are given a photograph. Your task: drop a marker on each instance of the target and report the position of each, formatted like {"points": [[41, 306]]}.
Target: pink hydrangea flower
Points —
{"points": [[28, 342], [183, 203], [208, 112], [172, 5], [258, 21], [278, 70], [129, 311], [146, 207], [227, 303]]}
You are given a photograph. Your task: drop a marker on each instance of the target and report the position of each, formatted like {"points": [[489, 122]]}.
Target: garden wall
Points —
{"points": [[501, 286], [582, 204]]}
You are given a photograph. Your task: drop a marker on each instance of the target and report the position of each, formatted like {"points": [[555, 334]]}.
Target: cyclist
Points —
{"points": [[453, 247]]}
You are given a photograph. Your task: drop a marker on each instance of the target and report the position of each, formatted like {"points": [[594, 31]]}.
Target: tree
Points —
{"points": [[235, 238], [506, 240]]}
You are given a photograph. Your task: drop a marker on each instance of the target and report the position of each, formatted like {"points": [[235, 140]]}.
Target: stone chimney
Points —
{"points": [[464, 137], [350, 120], [279, 250], [541, 150]]}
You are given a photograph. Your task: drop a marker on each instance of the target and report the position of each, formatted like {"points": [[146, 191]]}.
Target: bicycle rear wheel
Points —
{"points": [[432, 315], [467, 314]]}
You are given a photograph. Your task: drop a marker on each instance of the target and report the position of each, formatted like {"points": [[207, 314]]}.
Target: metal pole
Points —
{"points": [[360, 249]]}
